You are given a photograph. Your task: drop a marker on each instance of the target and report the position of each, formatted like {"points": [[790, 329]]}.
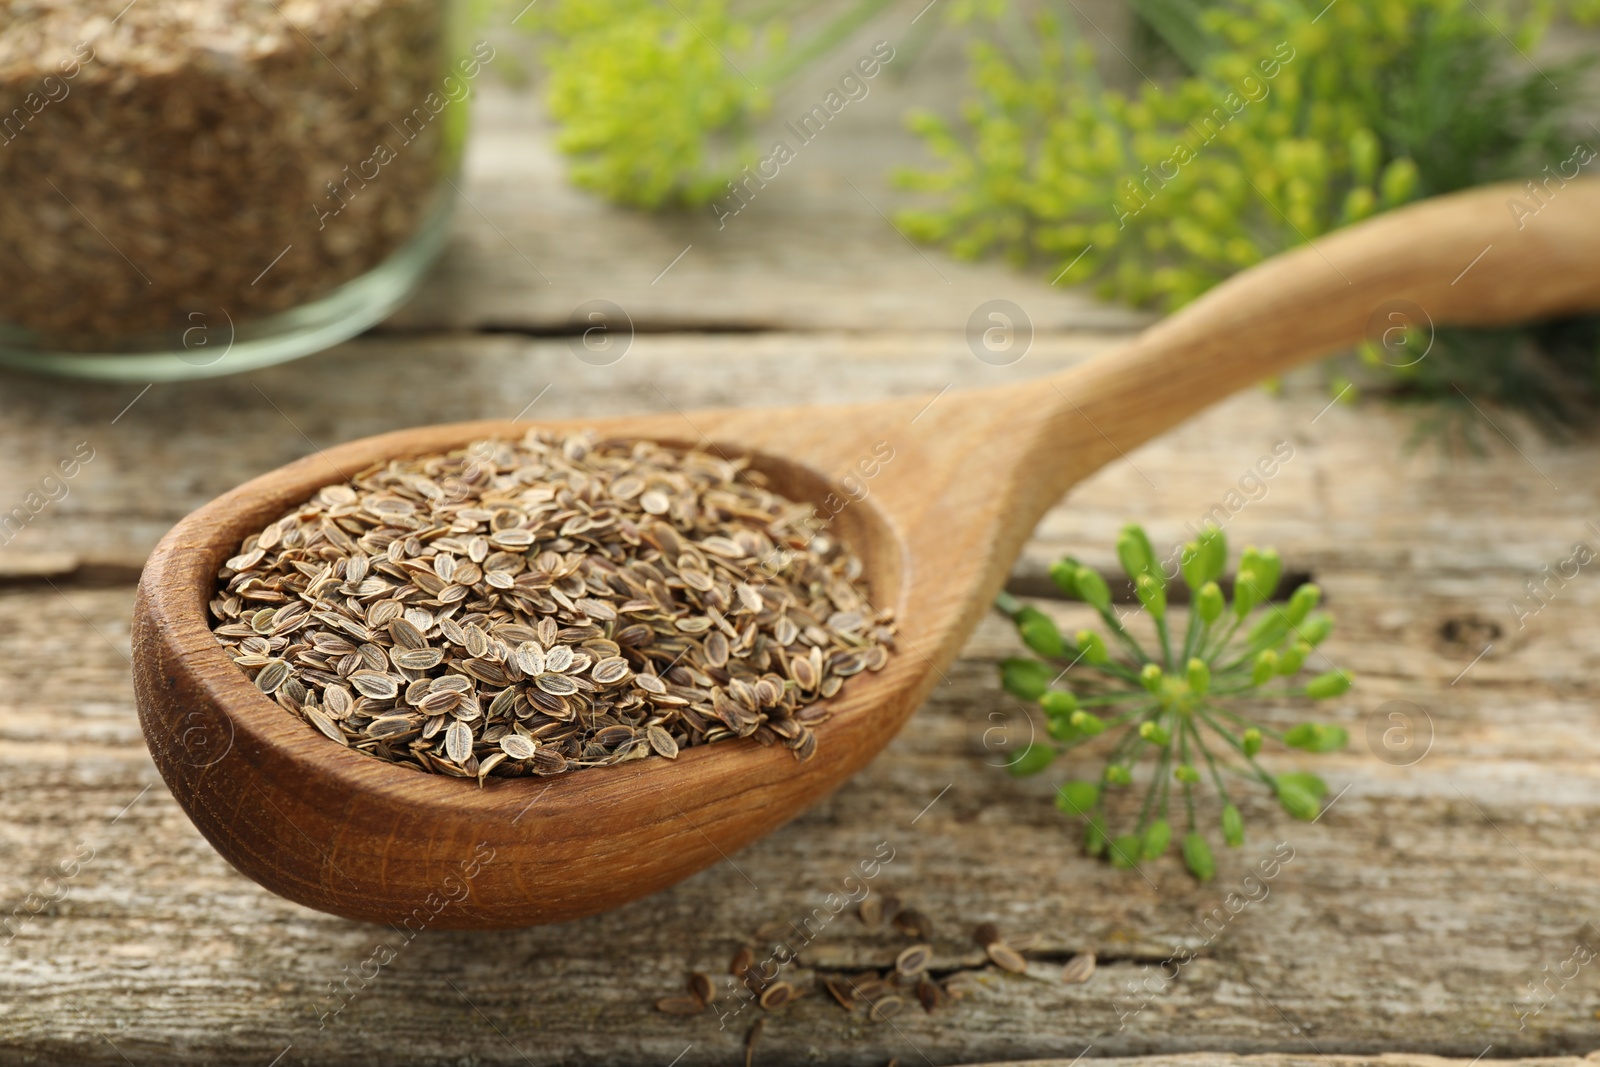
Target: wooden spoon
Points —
{"points": [[940, 527]]}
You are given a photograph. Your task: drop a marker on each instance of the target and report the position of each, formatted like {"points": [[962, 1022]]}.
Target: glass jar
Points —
{"points": [[200, 187]]}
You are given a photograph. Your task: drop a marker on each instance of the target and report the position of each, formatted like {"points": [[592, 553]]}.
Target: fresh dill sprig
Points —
{"points": [[1177, 703]]}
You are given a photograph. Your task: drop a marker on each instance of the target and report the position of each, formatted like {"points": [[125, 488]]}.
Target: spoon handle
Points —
{"points": [[1488, 256]]}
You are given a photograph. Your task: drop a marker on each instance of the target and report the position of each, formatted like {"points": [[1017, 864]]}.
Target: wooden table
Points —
{"points": [[1415, 913]]}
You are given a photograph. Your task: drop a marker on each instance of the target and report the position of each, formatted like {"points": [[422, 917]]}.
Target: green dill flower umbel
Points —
{"points": [[1175, 702], [1290, 120]]}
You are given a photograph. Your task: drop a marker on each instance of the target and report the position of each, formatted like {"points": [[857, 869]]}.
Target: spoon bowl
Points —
{"points": [[937, 527]]}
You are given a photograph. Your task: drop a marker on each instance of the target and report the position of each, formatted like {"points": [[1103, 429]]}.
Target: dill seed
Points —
{"points": [[838, 992], [886, 1008], [777, 995], [914, 960], [680, 1006], [868, 987], [913, 923], [1005, 957], [1079, 968], [536, 606], [750, 1041]]}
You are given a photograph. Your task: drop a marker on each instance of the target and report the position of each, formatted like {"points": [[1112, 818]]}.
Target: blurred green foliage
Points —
{"points": [[1287, 120], [655, 99], [642, 90], [1261, 125], [1297, 120]]}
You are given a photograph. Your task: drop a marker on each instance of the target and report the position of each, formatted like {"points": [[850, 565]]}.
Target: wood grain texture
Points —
{"points": [[938, 533], [1413, 918], [1406, 921]]}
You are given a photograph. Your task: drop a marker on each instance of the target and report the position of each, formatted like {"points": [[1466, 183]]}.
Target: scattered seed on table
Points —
{"points": [[680, 1006], [840, 994], [1079, 968], [985, 934], [740, 963], [913, 923], [750, 1041], [777, 995], [1006, 957], [886, 1008], [929, 994], [914, 960], [701, 989], [868, 987]]}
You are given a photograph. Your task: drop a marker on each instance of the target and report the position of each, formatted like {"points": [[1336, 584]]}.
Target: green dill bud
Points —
{"points": [[1092, 588], [1305, 598], [1064, 572], [1251, 741], [1088, 723], [1266, 667], [1150, 676], [1232, 826], [1133, 549], [1316, 628], [1199, 676], [1245, 598], [1269, 629], [1093, 647], [1298, 801], [1197, 857], [1316, 737], [1094, 835], [1025, 678], [1040, 634], [1062, 730], [1186, 773], [1307, 781], [1293, 658], [1154, 734], [1156, 839], [1332, 684], [1399, 181], [1118, 774], [1032, 760], [1365, 150], [1193, 565], [1267, 568], [1152, 595], [1125, 851], [1059, 703], [1077, 798], [1210, 603], [1215, 547]]}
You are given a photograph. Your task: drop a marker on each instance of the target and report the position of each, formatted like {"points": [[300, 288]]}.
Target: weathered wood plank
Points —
{"points": [[1387, 1059], [158, 459], [1412, 916]]}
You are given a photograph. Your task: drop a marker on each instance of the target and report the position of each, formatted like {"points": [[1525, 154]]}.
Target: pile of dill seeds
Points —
{"points": [[177, 158], [530, 607]]}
